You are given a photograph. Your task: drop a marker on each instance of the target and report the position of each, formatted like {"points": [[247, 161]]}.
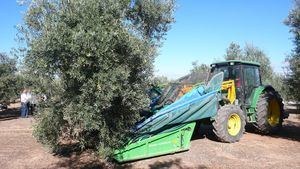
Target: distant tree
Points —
{"points": [[255, 54], [292, 79], [9, 88], [233, 52], [199, 73], [94, 59], [160, 80], [277, 81]]}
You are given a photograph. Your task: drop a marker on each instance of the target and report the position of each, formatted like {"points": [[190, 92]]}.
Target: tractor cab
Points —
{"points": [[240, 79]]}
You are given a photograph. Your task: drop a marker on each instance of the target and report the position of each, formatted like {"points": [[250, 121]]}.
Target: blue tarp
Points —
{"points": [[197, 104]]}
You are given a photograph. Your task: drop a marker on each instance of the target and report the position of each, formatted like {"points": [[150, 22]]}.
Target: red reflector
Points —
{"points": [[237, 82]]}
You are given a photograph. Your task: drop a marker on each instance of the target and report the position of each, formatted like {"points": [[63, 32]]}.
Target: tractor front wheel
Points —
{"points": [[229, 124], [269, 116]]}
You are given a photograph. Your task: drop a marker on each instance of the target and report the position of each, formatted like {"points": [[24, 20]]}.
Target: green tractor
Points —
{"points": [[247, 101], [232, 97]]}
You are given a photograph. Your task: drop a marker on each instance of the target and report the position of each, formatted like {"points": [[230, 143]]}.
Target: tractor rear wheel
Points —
{"points": [[229, 124], [269, 116]]}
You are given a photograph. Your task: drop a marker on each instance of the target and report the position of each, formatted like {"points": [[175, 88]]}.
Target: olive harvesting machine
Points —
{"points": [[232, 97]]}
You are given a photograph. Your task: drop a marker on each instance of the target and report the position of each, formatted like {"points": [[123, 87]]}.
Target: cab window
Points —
{"points": [[251, 79]]}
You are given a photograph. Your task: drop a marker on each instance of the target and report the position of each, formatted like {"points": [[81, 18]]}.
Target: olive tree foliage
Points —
{"points": [[198, 74], [255, 54], [233, 52], [10, 82], [292, 79], [160, 80], [94, 60]]}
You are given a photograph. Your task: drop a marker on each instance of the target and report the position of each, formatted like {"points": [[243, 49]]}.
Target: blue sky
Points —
{"points": [[10, 16], [203, 30]]}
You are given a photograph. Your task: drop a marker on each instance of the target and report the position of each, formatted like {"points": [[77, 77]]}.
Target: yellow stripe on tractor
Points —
{"points": [[230, 87]]}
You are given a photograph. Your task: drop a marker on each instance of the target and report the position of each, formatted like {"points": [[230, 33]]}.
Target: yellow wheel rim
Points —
{"points": [[234, 124], [273, 112]]}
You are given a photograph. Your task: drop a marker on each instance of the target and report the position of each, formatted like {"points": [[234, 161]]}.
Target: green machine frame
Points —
{"points": [[165, 143]]}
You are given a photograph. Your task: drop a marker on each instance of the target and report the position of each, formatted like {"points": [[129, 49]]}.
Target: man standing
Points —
{"points": [[24, 101]]}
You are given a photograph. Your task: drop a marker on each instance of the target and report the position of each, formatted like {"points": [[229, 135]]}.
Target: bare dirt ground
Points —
{"points": [[18, 149]]}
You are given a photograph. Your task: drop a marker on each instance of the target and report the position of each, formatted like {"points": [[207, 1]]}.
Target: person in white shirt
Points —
{"points": [[24, 101]]}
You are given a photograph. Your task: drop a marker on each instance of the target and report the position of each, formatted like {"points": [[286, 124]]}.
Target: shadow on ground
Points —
{"points": [[81, 160], [204, 131], [72, 157], [9, 114], [173, 163], [176, 163], [292, 110], [290, 130], [13, 112]]}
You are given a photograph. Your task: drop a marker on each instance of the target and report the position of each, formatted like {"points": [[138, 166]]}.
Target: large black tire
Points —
{"points": [[264, 111], [222, 125]]}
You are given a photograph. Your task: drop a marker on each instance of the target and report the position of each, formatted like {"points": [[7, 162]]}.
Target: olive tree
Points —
{"points": [[253, 53], [94, 60], [233, 52], [9, 81], [292, 79], [199, 72]]}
